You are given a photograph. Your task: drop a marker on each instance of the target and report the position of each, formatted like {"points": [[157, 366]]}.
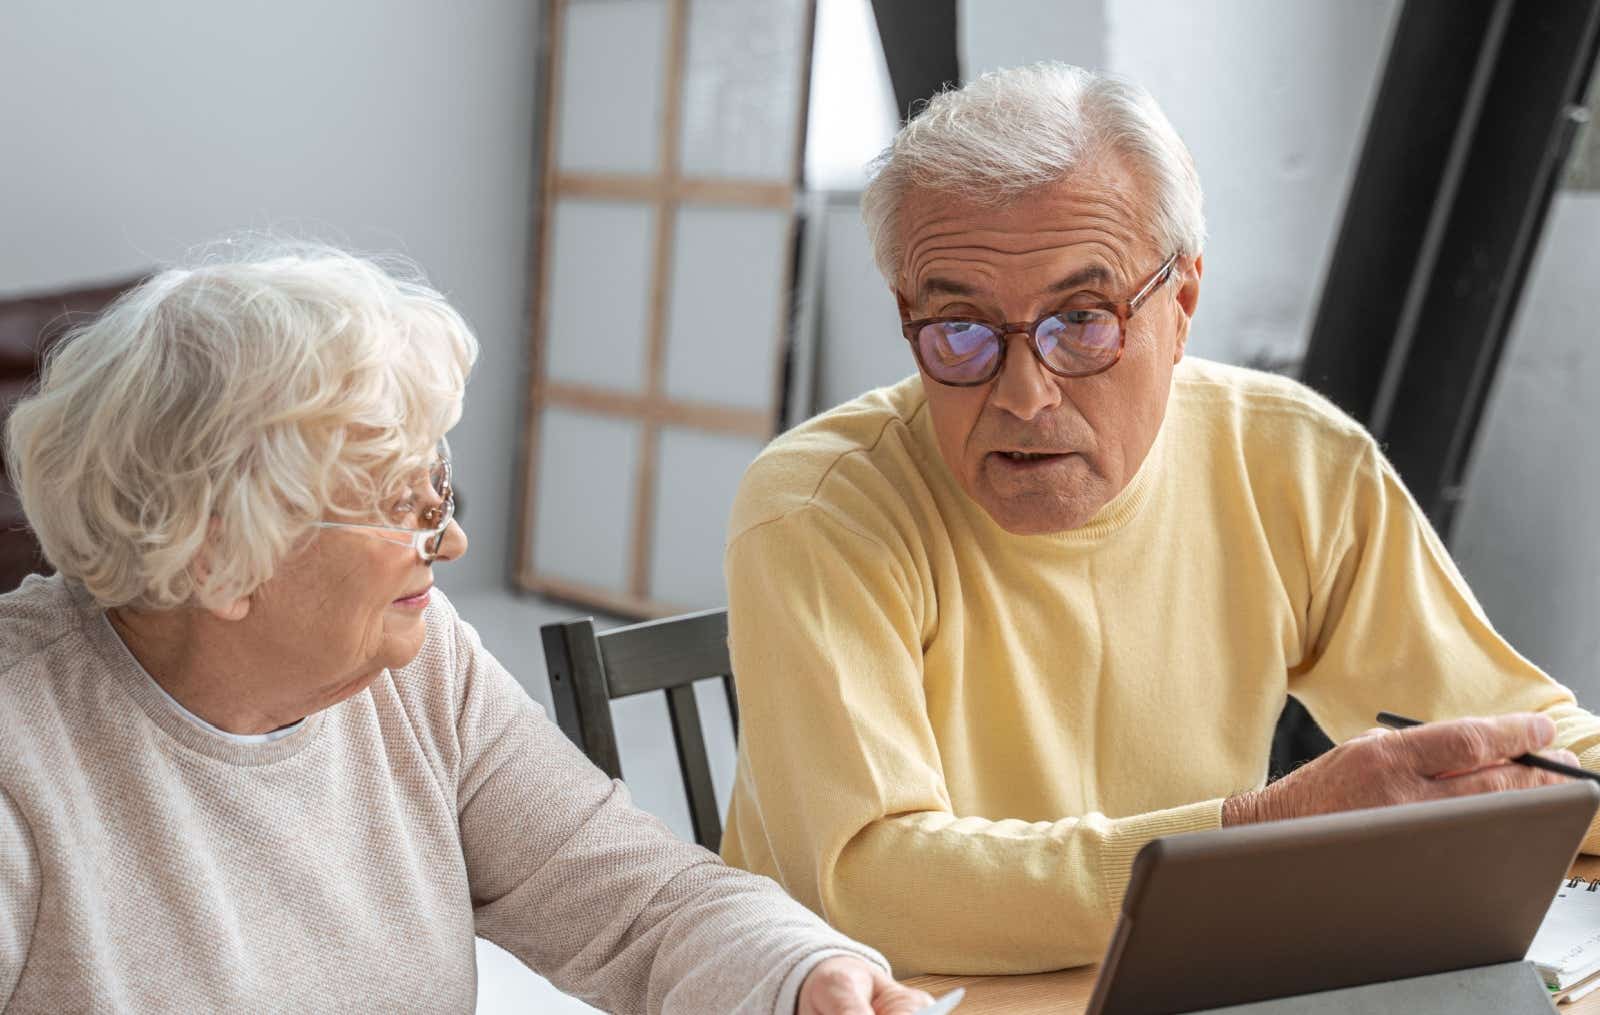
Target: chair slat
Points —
{"points": [[578, 687], [691, 743], [665, 653]]}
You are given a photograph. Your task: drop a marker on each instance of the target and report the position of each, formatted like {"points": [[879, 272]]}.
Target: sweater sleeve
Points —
{"points": [[847, 801], [19, 894], [595, 894], [1392, 625]]}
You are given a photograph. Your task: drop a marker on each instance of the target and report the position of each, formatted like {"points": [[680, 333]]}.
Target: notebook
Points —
{"points": [[1566, 950]]}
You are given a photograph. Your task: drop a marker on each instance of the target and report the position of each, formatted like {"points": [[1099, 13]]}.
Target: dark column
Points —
{"points": [[919, 45]]}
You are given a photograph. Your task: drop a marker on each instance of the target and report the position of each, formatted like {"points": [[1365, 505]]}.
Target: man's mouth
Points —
{"points": [[1030, 456]]}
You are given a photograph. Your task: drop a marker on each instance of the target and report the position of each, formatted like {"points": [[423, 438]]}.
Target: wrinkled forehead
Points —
{"points": [[1093, 229]]}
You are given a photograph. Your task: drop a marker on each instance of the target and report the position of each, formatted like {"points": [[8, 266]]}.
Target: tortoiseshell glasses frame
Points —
{"points": [[1077, 340]]}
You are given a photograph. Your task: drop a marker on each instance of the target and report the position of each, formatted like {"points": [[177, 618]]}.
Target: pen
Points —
{"points": [[1400, 722]]}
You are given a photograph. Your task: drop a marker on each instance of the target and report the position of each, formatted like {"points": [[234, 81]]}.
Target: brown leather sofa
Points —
{"points": [[28, 326]]}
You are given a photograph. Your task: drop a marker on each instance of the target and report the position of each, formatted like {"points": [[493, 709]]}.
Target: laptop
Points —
{"points": [[1256, 912]]}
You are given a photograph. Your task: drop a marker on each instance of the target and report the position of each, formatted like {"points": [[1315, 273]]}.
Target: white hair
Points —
{"points": [[1013, 132], [225, 407]]}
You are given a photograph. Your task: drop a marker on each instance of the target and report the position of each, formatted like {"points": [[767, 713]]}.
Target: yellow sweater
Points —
{"points": [[955, 739]]}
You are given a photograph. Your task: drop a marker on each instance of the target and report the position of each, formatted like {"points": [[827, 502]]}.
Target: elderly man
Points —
{"points": [[999, 625]]}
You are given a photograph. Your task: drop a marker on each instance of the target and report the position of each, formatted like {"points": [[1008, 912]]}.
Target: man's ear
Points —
{"points": [[1188, 300]]}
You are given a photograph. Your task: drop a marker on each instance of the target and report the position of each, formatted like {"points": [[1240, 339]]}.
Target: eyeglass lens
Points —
{"points": [[1071, 343]]}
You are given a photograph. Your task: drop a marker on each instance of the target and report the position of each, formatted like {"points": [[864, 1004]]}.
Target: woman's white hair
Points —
{"points": [[1012, 132], [181, 444]]}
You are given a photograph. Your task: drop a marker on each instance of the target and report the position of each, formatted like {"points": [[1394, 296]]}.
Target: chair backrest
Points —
{"points": [[587, 670]]}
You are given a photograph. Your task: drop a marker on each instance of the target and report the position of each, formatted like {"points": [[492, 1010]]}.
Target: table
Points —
{"points": [[1068, 990]]}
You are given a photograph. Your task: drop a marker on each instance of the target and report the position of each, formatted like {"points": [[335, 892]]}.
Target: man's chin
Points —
{"points": [[1044, 516]]}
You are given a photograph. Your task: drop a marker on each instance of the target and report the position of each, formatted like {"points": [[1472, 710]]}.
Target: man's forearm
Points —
{"points": [[937, 894]]}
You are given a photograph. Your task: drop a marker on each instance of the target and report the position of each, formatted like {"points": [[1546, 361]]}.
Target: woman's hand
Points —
{"points": [[846, 985]]}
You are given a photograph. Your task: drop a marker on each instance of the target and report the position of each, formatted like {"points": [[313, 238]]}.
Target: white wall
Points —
{"points": [[1271, 98], [1526, 536], [1006, 33]]}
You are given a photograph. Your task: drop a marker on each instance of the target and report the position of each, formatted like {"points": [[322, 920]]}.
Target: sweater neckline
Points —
{"points": [[170, 716]]}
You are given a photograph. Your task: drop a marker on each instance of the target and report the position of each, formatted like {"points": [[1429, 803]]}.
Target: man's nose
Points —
{"points": [[1024, 387]]}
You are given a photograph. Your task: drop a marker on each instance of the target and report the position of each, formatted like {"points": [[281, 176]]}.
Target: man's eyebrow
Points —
{"points": [[938, 285], [1095, 274]]}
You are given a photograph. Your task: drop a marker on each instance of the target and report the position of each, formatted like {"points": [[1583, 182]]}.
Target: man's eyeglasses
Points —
{"points": [[1076, 341], [435, 519]]}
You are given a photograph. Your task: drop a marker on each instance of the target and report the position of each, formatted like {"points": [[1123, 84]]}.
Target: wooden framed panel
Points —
{"points": [[743, 89], [673, 140], [729, 295], [600, 262], [610, 99]]}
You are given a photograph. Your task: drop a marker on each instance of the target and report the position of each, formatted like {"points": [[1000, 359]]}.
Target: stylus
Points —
{"points": [[1531, 760]]}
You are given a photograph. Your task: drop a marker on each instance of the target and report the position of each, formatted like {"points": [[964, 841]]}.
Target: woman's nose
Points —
{"points": [[454, 543]]}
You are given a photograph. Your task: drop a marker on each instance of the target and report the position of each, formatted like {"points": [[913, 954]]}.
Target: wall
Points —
{"points": [[1271, 98], [1526, 536], [1006, 33]]}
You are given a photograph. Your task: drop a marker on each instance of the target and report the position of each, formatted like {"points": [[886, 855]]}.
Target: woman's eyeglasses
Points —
{"points": [[1077, 341], [435, 519]]}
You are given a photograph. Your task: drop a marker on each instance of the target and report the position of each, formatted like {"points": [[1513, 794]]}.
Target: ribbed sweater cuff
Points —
{"points": [[1128, 835], [1590, 761], [789, 993]]}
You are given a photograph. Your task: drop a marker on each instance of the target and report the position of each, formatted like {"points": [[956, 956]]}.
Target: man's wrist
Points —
{"points": [[1242, 809]]}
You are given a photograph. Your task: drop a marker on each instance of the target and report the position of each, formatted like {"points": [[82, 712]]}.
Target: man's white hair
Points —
{"points": [[181, 445], [1013, 132]]}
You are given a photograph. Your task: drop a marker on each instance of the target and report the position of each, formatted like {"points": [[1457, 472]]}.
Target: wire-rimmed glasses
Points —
{"points": [[1074, 341], [436, 519]]}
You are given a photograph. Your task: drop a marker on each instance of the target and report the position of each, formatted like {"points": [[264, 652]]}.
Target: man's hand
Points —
{"points": [[1428, 762], [846, 985]]}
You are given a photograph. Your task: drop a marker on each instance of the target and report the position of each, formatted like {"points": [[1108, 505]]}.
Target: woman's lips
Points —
{"points": [[417, 601]]}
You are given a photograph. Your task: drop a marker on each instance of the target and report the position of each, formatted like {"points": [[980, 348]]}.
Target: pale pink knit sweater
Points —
{"points": [[147, 864]]}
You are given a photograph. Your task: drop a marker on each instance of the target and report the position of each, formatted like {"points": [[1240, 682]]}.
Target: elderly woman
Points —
{"points": [[251, 758]]}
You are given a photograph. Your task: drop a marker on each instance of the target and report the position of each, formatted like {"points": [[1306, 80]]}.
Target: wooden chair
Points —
{"points": [[588, 670]]}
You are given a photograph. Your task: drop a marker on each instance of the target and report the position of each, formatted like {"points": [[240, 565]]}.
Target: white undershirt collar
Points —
{"points": [[236, 738]]}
